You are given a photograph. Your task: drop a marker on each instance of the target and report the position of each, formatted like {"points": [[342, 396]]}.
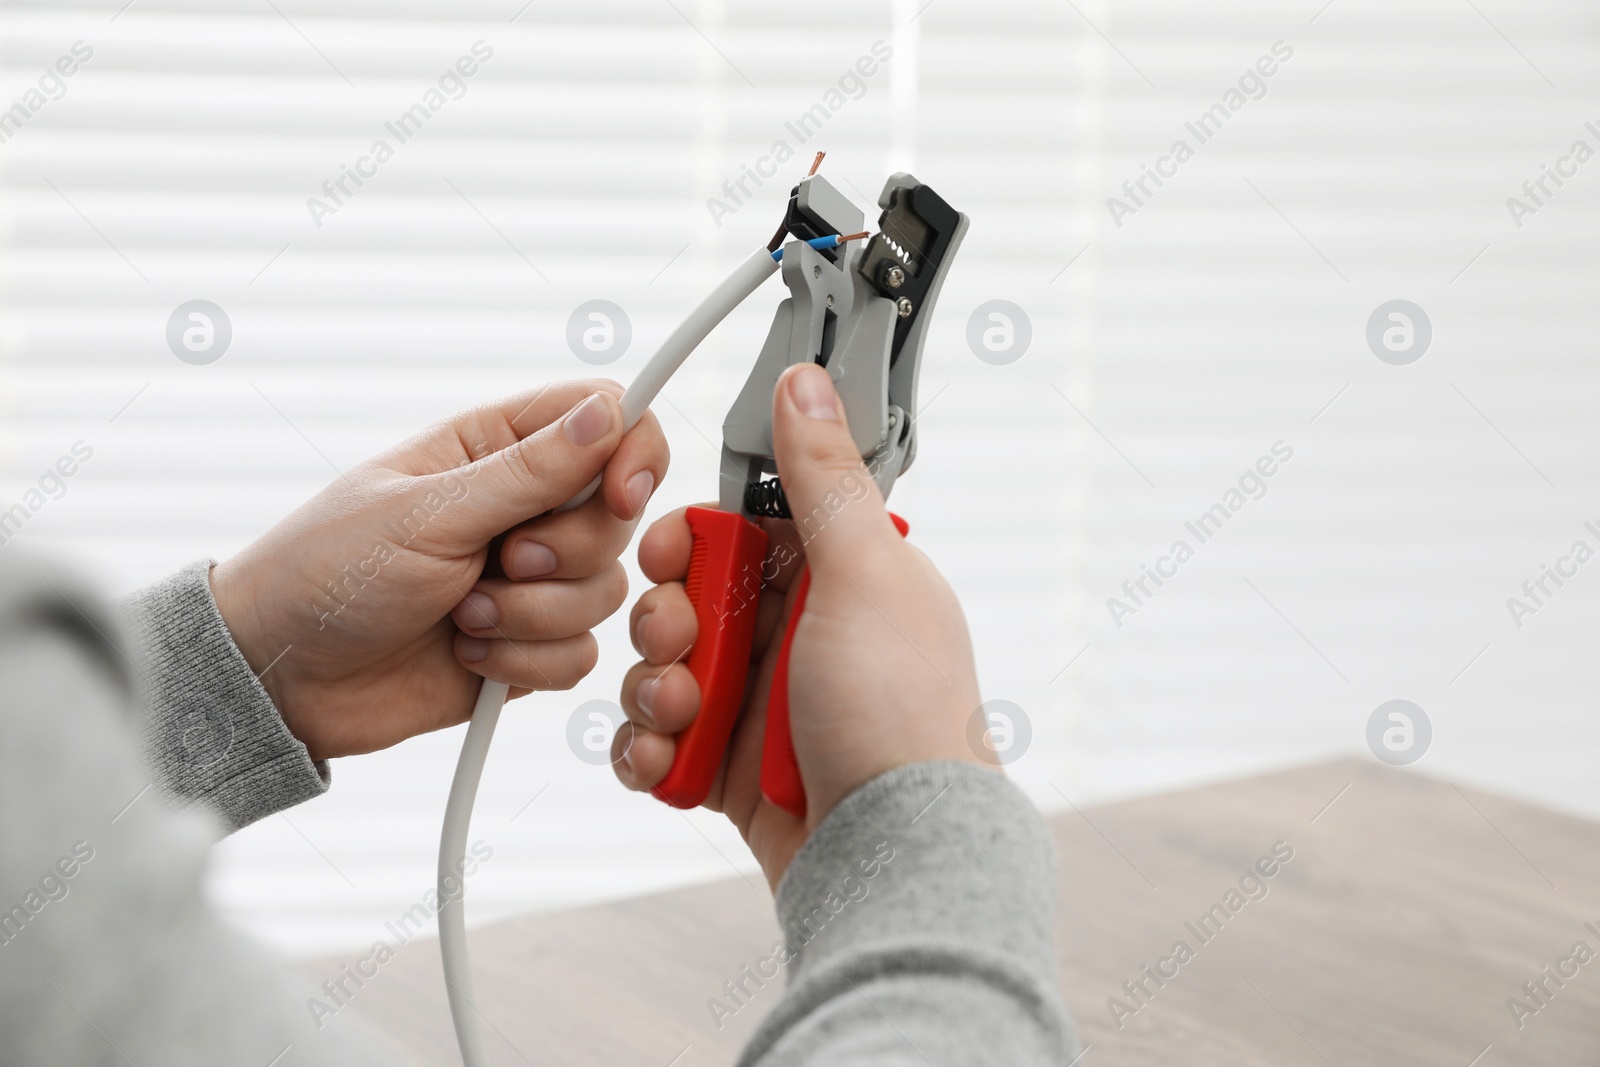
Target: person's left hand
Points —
{"points": [[374, 611]]}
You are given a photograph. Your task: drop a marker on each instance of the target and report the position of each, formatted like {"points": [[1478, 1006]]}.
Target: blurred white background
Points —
{"points": [[1227, 313]]}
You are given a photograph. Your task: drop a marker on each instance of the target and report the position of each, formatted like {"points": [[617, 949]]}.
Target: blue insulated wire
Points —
{"points": [[819, 243]]}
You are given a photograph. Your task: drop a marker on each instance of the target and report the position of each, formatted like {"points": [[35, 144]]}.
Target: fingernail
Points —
{"points": [[478, 611], [530, 559], [639, 489], [812, 392], [645, 697], [472, 649], [588, 422], [638, 630]]}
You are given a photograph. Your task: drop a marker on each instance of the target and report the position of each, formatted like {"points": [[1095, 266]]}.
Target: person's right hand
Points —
{"points": [[881, 672]]}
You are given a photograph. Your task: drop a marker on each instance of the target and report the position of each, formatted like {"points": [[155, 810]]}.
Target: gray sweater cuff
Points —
{"points": [[930, 852], [919, 915], [211, 733]]}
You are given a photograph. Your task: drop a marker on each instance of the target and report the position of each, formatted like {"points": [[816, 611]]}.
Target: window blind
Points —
{"points": [[626, 151]]}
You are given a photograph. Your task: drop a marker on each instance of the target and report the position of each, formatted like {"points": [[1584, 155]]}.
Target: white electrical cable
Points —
{"points": [[636, 399], [452, 879], [641, 392]]}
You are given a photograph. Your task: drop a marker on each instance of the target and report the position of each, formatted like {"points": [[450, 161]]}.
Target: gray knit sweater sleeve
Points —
{"points": [[210, 732], [109, 954], [917, 918], [918, 923]]}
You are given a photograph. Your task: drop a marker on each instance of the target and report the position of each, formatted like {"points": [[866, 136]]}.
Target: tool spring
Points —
{"points": [[767, 499]]}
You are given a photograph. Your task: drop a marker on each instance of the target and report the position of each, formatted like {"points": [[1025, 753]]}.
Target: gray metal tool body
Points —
{"points": [[861, 310]]}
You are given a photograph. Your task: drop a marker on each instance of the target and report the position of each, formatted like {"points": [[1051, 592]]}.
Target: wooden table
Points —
{"points": [[1411, 912]]}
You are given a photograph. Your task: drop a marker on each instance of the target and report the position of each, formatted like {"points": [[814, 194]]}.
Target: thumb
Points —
{"points": [[540, 472], [838, 511]]}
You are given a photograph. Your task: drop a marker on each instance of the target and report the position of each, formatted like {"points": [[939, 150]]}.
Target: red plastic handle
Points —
{"points": [[724, 584], [780, 771]]}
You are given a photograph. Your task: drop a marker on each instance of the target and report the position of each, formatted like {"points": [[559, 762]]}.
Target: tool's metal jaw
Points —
{"points": [[861, 311]]}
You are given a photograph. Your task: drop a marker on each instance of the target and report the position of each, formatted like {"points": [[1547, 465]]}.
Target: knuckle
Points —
{"points": [[836, 461], [614, 587], [411, 510], [523, 459], [537, 615], [671, 599], [580, 658], [588, 653], [527, 460], [681, 609], [656, 436], [588, 552]]}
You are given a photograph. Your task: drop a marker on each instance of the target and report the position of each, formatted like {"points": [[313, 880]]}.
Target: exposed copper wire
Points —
{"points": [[783, 227], [777, 238]]}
